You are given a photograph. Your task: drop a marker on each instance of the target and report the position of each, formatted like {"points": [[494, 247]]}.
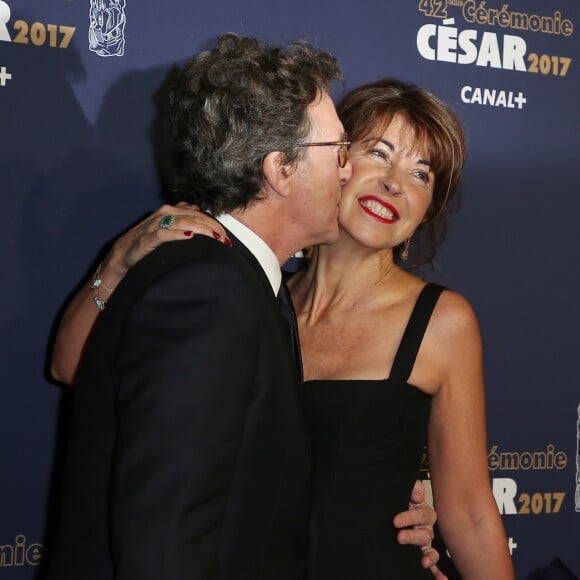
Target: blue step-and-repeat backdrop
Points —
{"points": [[78, 80]]}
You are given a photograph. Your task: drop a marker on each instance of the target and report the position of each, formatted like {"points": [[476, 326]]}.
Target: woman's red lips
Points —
{"points": [[379, 209]]}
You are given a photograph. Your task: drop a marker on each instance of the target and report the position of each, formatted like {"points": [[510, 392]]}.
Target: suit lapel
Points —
{"points": [[283, 303]]}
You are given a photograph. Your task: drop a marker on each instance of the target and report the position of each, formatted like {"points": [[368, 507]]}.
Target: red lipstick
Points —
{"points": [[379, 209]]}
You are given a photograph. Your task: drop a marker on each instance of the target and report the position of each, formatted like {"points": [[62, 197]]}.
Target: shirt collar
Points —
{"points": [[257, 246]]}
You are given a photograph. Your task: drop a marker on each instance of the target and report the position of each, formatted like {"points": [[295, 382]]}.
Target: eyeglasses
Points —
{"points": [[343, 149]]}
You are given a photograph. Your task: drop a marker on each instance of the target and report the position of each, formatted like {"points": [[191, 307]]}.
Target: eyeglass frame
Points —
{"points": [[343, 151]]}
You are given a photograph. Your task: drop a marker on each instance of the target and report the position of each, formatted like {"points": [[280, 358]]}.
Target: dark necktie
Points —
{"points": [[289, 315]]}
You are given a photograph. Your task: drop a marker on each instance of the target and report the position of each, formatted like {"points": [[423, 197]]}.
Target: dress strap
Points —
{"points": [[413, 336]]}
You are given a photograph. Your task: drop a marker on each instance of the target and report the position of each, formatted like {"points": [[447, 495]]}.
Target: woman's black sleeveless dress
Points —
{"points": [[367, 440]]}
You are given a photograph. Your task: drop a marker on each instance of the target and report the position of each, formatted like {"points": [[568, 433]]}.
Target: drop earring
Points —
{"points": [[404, 254]]}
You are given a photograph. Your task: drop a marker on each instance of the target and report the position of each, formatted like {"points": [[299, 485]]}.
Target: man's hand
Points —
{"points": [[420, 518]]}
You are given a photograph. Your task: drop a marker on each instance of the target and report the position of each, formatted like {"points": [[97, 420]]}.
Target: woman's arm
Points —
{"points": [[467, 513], [82, 311]]}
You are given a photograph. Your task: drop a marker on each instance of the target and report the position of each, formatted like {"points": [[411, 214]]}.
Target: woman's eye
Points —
{"points": [[378, 153], [422, 176]]}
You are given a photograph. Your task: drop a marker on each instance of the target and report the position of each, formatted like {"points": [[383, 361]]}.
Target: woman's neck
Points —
{"points": [[340, 276]]}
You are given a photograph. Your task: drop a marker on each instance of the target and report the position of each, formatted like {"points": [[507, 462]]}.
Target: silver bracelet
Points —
{"points": [[96, 288]]}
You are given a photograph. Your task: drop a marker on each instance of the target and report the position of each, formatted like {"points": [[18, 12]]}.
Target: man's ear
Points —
{"points": [[277, 172]]}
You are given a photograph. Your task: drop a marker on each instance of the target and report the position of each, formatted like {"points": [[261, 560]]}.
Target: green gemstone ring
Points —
{"points": [[166, 222]]}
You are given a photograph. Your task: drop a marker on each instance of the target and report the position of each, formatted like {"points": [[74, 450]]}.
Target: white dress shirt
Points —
{"points": [[258, 248]]}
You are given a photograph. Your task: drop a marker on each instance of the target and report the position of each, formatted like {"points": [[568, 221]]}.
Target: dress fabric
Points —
{"points": [[367, 439]]}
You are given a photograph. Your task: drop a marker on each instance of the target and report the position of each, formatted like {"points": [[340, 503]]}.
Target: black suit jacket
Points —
{"points": [[188, 454]]}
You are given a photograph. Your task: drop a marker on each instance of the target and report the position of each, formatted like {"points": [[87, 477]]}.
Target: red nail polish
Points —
{"points": [[216, 235], [188, 233], [228, 243]]}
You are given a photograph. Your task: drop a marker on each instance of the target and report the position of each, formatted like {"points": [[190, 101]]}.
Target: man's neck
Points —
{"points": [[256, 246], [268, 226]]}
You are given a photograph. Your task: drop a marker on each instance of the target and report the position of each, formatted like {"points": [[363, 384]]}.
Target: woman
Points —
{"points": [[376, 382], [390, 362]]}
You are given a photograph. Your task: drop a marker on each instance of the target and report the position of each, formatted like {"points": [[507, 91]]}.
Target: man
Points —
{"points": [[188, 454]]}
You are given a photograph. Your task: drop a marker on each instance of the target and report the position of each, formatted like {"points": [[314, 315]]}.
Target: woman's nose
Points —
{"points": [[391, 182]]}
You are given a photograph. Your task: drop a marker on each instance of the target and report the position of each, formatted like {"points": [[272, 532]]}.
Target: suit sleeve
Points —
{"points": [[186, 372]]}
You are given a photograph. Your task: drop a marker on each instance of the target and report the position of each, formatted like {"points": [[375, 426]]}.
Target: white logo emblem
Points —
{"points": [[107, 27]]}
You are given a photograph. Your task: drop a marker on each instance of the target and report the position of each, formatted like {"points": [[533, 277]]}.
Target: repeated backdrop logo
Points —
{"points": [[106, 33], [20, 553], [107, 27], [509, 499], [20, 31], [36, 33], [472, 33], [505, 489]]}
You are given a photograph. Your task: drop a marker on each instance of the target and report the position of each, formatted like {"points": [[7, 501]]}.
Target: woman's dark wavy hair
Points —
{"points": [[229, 107], [368, 110]]}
